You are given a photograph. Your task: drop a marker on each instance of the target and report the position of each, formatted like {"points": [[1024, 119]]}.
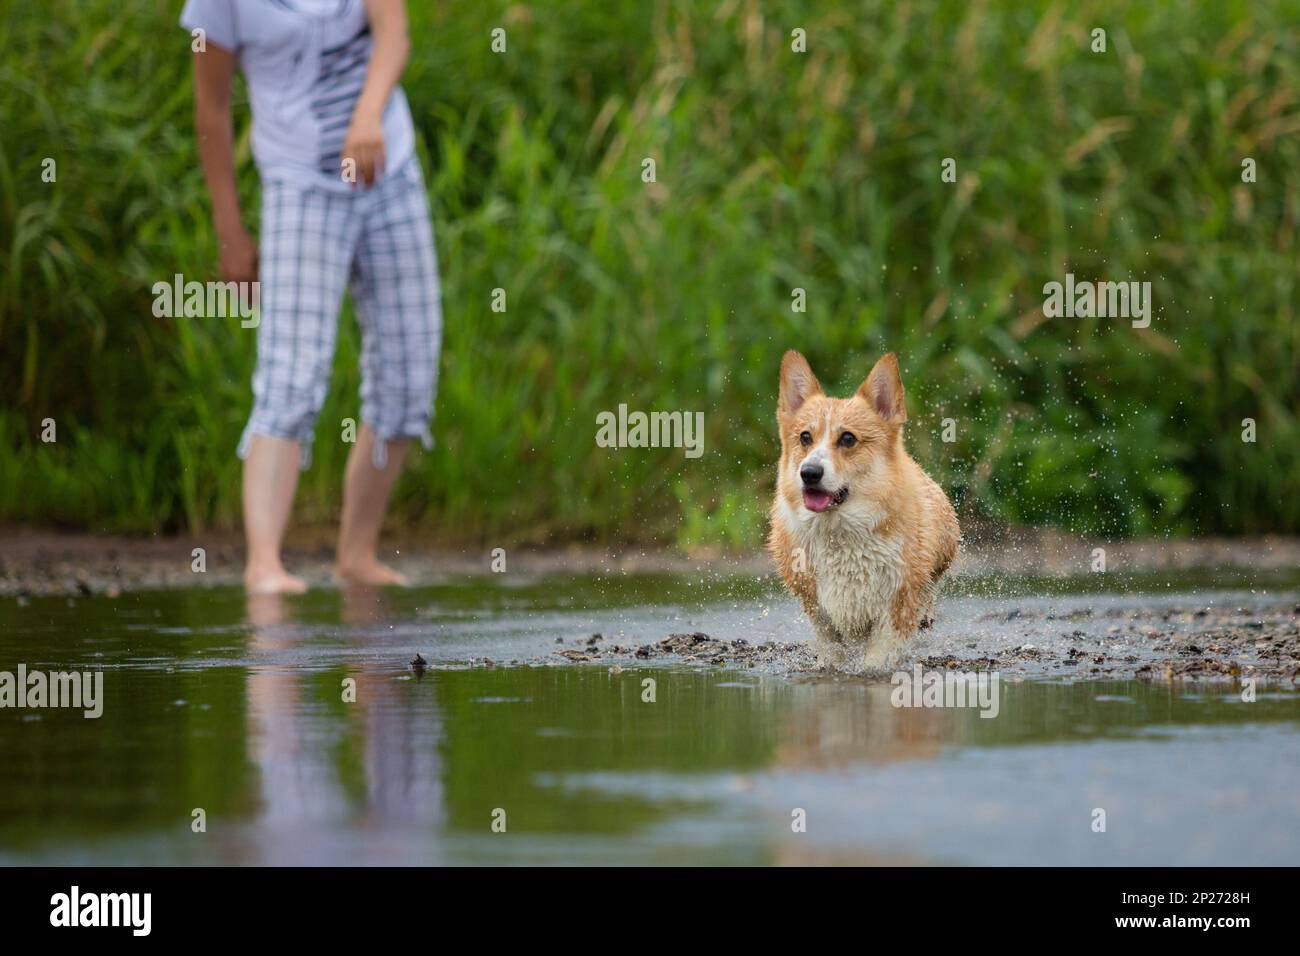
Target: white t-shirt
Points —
{"points": [[305, 62]]}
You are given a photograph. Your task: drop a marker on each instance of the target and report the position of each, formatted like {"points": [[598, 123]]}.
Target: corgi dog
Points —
{"points": [[860, 534]]}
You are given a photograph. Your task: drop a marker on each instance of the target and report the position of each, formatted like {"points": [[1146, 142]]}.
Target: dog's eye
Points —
{"points": [[847, 440], [805, 438]]}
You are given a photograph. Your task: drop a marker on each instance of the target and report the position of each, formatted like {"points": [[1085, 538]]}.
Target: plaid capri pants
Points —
{"points": [[314, 243]]}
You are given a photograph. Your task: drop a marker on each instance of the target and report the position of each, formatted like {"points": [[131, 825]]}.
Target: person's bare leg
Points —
{"points": [[365, 497], [270, 479]]}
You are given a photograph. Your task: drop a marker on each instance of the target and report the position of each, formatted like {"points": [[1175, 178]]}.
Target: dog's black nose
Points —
{"points": [[811, 474]]}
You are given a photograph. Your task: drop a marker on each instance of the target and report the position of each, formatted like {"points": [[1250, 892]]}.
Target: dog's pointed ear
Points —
{"points": [[883, 390], [797, 383]]}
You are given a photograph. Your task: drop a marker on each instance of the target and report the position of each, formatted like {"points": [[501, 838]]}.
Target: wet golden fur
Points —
{"points": [[867, 570]]}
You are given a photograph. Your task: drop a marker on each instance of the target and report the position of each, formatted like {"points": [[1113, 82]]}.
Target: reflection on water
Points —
{"points": [[370, 761], [242, 708]]}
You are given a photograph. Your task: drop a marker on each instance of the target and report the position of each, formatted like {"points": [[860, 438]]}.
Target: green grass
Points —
{"points": [[775, 170]]}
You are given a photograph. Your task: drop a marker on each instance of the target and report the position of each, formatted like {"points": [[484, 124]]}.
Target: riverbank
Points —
{"points": [[1023, 603], [37, 562]]}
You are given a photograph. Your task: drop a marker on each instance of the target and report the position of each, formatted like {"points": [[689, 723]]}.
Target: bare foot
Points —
{"points": [[369, 571], [272, 581]]}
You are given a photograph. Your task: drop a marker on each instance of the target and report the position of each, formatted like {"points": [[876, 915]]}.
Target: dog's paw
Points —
{"points": [[878, 665], [882, 655]]}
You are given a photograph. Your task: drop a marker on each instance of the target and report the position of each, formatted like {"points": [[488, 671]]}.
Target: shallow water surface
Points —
{"points": [[238, 708]]}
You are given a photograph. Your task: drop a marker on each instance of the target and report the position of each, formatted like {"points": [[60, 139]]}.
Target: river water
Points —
{"points": [[295, 731]]}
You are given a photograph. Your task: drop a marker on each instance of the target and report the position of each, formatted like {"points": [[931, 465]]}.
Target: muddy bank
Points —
{"points": [[41, 562], [1169, 644]]}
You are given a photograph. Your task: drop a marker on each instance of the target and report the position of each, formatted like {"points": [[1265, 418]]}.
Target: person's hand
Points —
{"points": [[238, 256], [364, 147]]}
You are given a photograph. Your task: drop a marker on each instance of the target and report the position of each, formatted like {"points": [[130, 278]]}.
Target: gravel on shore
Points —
{"points": [[1159, 645]]}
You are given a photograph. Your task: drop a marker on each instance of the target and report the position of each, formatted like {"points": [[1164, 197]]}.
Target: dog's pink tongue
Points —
{"points": [[816, 500]]}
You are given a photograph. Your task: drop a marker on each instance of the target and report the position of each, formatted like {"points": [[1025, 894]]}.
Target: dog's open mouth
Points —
{"points": [[816, 499]]}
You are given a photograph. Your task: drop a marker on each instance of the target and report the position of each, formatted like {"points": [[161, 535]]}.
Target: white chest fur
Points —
{"points": [[859, 573], [858, 579]]}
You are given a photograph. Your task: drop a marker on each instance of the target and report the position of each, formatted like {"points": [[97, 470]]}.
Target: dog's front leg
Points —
{"points": [[828, 642], [929, 595], [885, 649], [889, 639]]}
